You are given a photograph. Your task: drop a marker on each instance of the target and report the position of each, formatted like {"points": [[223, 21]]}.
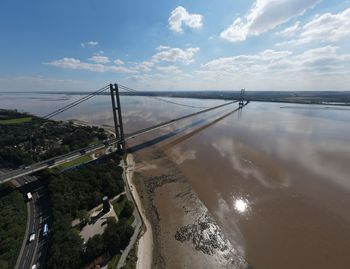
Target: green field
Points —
{"points": [[119, 204], [15, 121], [80, 160]]}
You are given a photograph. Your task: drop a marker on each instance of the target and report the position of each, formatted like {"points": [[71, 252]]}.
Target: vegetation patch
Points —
{"points": [[15, 121], [78, 161], [39, 139], [12, 225], [72, 192], [123, 207], [131, 260], [112, 264]]}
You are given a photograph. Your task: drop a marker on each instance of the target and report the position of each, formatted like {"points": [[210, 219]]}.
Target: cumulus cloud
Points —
{"points": [[179, 17], [118, 62], [72, 63], [144, 66], [168, 54], [264, 16], [316, 61], [326, 27], [89, 44], [99, 59], [246, 62]]}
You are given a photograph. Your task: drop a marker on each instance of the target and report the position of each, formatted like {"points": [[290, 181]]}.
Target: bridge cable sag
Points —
{"points": [[75, 103], [160, 99]]}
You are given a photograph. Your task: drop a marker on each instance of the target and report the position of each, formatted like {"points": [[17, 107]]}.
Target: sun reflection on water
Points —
{"points": [[241, 205]]}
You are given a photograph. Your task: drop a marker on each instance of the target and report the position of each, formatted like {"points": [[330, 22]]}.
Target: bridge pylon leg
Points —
{"points": [[117, 117], [241, 100]]}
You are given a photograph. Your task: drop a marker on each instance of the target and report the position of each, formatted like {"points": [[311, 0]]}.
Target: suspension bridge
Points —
{"points": [[120, 138]]}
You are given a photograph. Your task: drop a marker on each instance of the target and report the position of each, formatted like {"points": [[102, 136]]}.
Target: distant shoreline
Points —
{"points": [[330, 98]]}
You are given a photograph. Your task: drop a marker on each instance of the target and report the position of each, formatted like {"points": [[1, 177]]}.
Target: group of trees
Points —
{"points": [[115, 238], [12, 225], [71, 194], [39, 139]]}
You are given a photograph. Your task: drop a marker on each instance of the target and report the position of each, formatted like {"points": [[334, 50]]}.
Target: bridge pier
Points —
{"points": [[117, 116]]}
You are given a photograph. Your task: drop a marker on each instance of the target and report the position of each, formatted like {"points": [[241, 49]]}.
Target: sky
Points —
{"points": [[175, 45]]}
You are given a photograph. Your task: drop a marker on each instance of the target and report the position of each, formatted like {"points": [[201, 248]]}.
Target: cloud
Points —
{"points": [[271, 65], [162, 47], [72, 63], [89, 44], [326, 28], [264, 16], [145, 66], [170, 69], [246, 62], [290, 31], [99, 59], [118, 62], [179, 17], [168, 54]]}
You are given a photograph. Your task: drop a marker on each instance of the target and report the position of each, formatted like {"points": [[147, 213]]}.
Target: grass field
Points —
{"points": [[119, 204], [80, 160], [15, 121]]}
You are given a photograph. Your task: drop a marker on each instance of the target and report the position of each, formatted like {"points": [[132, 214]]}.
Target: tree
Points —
{"points": [[127, 210], [94, 248]]}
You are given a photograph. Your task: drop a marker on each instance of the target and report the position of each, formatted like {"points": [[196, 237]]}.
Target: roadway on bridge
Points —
{"points": [[49, 163]]}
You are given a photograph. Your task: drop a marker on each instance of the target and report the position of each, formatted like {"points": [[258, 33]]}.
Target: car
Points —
{"points": [[45, 230], [34, 266], [32, 237]]}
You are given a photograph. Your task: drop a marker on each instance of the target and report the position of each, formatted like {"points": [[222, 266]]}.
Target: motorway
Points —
{"points": [[37, 214]]}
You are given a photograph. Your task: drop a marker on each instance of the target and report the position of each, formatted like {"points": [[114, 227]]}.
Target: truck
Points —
{"points": [[29, 196]]}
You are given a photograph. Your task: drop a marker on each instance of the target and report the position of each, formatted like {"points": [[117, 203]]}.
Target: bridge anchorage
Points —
{"points": [[117, 117], [241, 99]]}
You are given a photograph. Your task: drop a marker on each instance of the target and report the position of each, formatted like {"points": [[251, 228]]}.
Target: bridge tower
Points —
{"points": [[241, 99], [117, 116]]}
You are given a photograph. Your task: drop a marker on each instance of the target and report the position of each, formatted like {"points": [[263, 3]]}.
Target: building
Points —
{"points": [[106, 204]]}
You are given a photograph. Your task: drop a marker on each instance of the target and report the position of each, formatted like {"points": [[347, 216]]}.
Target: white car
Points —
{"points": [[32, 237], [34, 266]]}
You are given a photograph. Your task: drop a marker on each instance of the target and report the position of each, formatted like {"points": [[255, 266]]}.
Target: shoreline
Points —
{"points": [[145, 241]]}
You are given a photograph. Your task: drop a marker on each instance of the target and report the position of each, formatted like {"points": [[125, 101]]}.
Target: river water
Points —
{"points": [[275, 177]]}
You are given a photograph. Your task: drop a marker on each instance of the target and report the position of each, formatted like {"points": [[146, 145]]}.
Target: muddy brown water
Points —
{"points": [[276, 179]]}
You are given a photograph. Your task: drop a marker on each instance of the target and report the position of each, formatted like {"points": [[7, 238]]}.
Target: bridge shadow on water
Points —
{"points": [[182, 138]]}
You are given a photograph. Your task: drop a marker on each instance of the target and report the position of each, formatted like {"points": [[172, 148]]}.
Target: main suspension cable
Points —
{"points": [[75, 103], [159, 98]]}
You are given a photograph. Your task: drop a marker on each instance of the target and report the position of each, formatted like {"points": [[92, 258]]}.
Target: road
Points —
{"points": [[37, 214]]}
